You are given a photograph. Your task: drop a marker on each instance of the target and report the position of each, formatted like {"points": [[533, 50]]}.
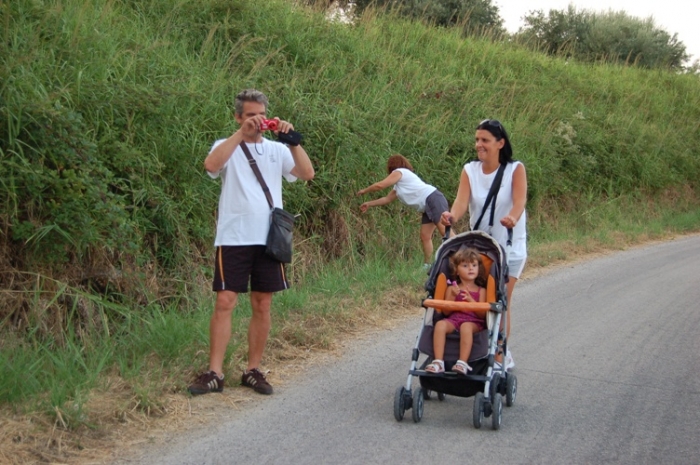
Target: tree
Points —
{"points": [[606, 36], [625, 38], [558, 33], [472, 15]]}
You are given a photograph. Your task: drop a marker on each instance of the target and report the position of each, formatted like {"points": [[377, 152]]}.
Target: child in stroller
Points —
{"points": [[468, 285], [488, 382]]}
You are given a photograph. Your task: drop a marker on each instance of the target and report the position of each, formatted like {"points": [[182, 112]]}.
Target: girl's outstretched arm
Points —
{"points": [[389, 181], [390, 197]]}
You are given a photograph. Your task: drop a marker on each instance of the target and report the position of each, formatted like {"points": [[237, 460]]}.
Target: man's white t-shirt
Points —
{"points": [[244, 214], [411, 190]]}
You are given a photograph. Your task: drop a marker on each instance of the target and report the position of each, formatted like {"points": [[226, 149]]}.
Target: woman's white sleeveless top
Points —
{"points": [[480, 187]]}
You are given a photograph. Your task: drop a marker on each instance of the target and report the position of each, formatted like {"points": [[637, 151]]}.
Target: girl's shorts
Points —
{"points": [[435, 205]]}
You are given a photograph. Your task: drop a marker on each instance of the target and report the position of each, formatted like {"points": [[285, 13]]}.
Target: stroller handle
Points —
{"points": [[509, 241], [447, 233]]}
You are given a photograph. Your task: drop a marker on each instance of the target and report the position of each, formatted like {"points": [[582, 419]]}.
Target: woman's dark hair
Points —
{"points": [[505, 155], [397, 161]]}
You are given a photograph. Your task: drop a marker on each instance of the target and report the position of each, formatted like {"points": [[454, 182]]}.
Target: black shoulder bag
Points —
{"points": [[279, 238], [491, 197]]}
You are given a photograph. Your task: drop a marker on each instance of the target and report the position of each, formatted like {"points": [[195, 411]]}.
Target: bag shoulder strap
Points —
{"points": [[254, 165], [491, 197]]}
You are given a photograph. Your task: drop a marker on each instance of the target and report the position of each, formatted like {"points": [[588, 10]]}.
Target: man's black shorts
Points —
{"points": [[237, 265]]}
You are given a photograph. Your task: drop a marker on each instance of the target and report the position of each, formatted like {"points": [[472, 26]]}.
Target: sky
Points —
{"points": [[676, 17]]}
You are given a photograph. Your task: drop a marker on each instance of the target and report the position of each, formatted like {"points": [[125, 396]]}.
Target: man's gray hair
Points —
{"points": [[249, 95]]}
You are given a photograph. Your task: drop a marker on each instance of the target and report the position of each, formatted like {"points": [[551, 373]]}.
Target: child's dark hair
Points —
{"points": [[468, 255]]}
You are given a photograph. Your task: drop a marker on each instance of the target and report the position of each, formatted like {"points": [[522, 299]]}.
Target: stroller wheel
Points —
{"points": [[511, 389], [478, 412], [399, 403], [497, 411], [417, 412], [441, 396], [494, 387]]}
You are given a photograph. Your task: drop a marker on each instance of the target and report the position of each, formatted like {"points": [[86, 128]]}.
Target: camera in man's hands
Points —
{"points": [[268, 125]]}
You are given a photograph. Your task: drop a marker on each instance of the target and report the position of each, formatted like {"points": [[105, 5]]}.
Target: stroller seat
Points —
{"points": [[481, 339], [486, 382]]}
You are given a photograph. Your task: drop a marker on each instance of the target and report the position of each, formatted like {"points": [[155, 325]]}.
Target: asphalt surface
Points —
{"points": [[606, 356]]}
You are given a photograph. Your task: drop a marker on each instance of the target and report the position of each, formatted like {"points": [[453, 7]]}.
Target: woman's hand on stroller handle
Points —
{"points": [[446, 219]]}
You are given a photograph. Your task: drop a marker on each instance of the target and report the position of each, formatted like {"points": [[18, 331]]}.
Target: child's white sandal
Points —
{"points": [[461, 367], [438, 366]]}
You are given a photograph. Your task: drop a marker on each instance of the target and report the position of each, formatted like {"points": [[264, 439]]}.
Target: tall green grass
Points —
{"points": [[160, 348], [108, 108]]}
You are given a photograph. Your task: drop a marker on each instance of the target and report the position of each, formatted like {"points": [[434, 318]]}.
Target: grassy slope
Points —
{"points": [[109, 107]]}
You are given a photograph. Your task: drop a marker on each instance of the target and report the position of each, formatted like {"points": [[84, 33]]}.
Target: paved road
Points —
{"points": [[606, 356]]}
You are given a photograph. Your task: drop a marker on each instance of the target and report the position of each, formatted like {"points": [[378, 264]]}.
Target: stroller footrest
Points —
{"points": [[448, 375]]}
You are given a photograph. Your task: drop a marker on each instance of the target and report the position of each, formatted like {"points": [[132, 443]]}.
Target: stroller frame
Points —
{"points": [[489, 384]]}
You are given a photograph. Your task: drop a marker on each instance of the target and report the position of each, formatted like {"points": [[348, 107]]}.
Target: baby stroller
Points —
{"points": [[488, 382]]}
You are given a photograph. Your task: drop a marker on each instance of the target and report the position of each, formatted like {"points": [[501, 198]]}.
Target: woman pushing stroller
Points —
{"points": [[495, 154]]}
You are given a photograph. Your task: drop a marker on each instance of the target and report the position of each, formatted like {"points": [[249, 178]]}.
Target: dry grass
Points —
{"points": [[121, 422]]}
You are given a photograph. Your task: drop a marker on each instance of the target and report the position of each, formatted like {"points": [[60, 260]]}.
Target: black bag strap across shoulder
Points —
{"points": [[258, 174], [491, 197]]}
